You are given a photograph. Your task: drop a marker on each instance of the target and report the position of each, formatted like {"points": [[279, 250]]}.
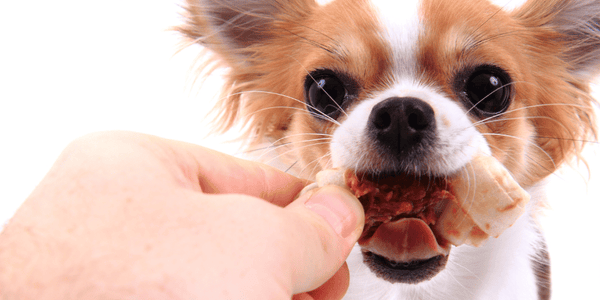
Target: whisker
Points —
{"points": [[527, 141], [292, 108], [567, 139], [296, 148], [488, 95], [473, 274], [531, 106], [326, 117], [301, 134], [291, 166], [493, 120], [262, 148], [316, 164]]}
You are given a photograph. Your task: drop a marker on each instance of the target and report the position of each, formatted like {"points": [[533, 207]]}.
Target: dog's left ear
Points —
{"points": [[576, 24], [563, 48]]}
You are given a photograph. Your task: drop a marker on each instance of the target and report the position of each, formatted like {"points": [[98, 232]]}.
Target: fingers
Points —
{"points": [[333, 220], [302, 244], [224, 174], [219, 173], [191, 166]]}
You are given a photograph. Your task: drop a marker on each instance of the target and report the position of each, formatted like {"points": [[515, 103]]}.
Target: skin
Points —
{"points": [[129, 216]]}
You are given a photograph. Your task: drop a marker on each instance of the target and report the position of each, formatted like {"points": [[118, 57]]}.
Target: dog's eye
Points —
{"points": [[325, 95], [489, 90]]}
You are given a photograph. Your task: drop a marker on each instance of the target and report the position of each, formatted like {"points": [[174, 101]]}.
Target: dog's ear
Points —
{"points": [[577, 27], [231, 28], [255, 40], [563, 47]]}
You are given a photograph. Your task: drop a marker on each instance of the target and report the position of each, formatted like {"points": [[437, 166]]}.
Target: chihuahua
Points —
{"points": [[414, 87]]}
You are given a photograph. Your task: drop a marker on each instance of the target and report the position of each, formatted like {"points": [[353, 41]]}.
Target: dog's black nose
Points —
{"points": [[401, 124]]}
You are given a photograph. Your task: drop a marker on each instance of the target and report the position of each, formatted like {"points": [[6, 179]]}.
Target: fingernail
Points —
{"points": [[338, 207]]}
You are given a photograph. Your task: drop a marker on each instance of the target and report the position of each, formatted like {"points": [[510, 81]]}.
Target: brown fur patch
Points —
{"points": [[550, 113], [265, 87], [549, 119]]}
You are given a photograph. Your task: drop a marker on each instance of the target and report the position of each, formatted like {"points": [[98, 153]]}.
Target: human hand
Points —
{"points": [[125, 215]]}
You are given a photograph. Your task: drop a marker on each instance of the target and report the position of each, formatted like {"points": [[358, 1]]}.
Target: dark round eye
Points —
{"points": [[325, 95], [489, 90]]}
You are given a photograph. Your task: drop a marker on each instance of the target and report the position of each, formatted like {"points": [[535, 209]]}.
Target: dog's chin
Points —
{"points": [[407, 257], [410, 272]]}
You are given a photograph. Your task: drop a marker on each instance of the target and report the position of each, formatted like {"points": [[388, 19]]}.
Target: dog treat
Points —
{"points": [[392, 198], [487, 201], [481, 201]]}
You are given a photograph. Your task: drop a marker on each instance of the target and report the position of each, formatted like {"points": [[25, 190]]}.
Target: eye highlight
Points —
{"points": [[488, 89]]}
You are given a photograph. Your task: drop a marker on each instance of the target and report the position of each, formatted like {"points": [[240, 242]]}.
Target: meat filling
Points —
{"points": [[390, 198]]}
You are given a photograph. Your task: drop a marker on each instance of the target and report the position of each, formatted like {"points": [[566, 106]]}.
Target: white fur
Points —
{"points": [[400, 30], [457, 144], [401, 27], [500, 269]]}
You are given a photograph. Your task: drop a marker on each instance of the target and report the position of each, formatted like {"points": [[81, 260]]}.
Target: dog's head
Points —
{"points": [[413, 87]]}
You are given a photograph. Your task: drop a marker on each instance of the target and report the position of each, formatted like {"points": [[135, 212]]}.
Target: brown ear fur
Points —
{"points": [[565, 48], [243, 34]]}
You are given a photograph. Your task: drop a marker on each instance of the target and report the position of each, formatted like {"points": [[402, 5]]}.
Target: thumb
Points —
{"points": [[336, 219]]}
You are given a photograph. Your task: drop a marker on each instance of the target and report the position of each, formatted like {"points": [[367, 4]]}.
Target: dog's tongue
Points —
{"points": [[404, 240]]}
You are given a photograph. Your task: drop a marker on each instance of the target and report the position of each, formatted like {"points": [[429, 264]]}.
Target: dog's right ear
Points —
{"points": [[231, 28], [255, 41]]}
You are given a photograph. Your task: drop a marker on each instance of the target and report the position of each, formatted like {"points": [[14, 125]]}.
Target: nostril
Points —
{"points": [[382, 120], [417, 120]]}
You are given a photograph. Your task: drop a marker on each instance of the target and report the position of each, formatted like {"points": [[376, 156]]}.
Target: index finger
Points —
{"points": [[219, 173]]}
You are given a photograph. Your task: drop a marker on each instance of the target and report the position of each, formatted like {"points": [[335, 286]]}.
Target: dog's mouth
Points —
{"points": [[400, 242]]}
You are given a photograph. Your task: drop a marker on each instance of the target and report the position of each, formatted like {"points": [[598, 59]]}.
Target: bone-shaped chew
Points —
{"points": [[487, 200]]}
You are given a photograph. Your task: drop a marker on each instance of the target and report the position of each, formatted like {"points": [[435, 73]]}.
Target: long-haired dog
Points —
{"points": [[415, 87]]}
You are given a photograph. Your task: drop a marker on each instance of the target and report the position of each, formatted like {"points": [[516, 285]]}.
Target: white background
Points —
{"points": [[68, 68]]}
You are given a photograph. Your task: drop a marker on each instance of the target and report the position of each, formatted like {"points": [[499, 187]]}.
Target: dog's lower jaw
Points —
{"points": [[501, 269]]}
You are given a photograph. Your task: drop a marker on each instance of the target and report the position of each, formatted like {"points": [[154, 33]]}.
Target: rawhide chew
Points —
{"points": [[487, 201], [481, 201], [391, 199]]}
